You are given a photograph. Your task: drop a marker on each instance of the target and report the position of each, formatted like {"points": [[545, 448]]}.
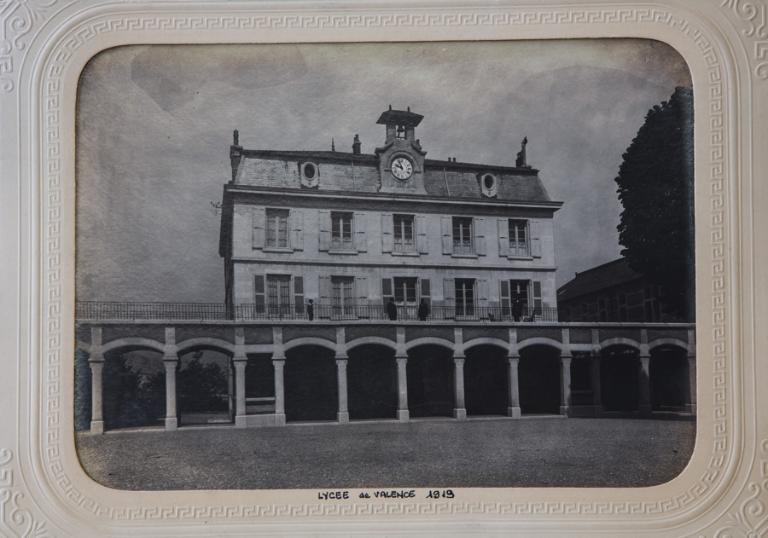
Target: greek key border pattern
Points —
{"points": [[753, 13], [51, 373]]}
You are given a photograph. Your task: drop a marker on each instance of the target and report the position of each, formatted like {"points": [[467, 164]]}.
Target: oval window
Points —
{"points": [[489, 180], [309, 170]]}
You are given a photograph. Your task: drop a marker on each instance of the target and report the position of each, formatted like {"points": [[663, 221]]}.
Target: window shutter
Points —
{"points": [[479, 229], [297, 222], [387, 227], [535, 240], [360, 224], [482, 290], [426, 291], [361, 291], [259, 222], [449, 298], [258, 294], [446, 225], [325, 230], [503, 238], [537, 297], [421, 234], [505, 298], [386, 295], [298, 294]]}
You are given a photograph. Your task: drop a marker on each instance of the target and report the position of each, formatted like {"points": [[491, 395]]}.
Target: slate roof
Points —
{"points": [[448, 179], [607, 275]]}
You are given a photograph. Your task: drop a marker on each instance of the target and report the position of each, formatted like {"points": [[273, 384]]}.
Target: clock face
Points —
{"points": [[401, 168]]}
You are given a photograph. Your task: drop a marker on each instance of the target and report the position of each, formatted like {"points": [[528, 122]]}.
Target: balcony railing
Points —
{"points": [[123, 311], [463, 248]]}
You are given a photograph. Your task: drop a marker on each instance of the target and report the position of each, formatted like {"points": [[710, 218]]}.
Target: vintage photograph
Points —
{"points": [[448, 264]]}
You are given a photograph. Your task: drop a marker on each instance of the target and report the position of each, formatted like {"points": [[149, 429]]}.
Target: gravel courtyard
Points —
{"points": [[493, 452]]}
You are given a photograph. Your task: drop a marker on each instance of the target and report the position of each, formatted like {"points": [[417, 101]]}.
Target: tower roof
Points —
{"points": [[400, 117]]}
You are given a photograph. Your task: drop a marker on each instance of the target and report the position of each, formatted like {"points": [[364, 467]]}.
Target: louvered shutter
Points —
{"points": [[446, 226], [323, 308], [503, 226], [449, 297], [297, 225], [479, 230], [259, 223], [361, 292], [505, 298], [258, 294], [422, 241], [298, 295], [535, 239], [325, 230], [387, 226], [360, 224]]}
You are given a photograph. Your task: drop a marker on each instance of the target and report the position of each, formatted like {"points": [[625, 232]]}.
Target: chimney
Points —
{"points": [[356, 145], [235, 153]]}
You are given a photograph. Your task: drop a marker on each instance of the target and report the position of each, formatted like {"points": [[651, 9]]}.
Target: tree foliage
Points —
{"points": [[656, 189]]}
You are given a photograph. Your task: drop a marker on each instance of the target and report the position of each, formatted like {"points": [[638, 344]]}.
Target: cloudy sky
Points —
{"points": [[155, 123]]}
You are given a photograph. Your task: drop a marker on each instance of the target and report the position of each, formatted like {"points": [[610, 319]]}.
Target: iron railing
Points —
{"points": [[98, 310]]}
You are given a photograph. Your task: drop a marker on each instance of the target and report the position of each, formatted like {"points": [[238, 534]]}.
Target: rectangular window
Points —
{"points": [[602, 305], [405, 290], [465, 297], [403, 233], [341, 230], [518, 238], [343, 296], [622, 307], [462, 235], [277, 228], [279, 295]]}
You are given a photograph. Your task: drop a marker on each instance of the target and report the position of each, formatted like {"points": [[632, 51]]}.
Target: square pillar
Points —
{"points": [[279, 364], [96, 362], [170, 362], [565, 383], [594, 374], [341, 373], [240, 362], [403, 415], [513, 409], [644, 379], [459, 411]]}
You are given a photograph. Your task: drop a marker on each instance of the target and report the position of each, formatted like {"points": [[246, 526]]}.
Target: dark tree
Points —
{"points": [[656, 189]]}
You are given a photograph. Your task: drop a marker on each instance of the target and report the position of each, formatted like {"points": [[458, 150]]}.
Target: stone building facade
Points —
{"points": [[351, 231]]}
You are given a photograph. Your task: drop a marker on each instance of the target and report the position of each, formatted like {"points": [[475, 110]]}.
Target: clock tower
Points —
{"points": [[401, 159]]}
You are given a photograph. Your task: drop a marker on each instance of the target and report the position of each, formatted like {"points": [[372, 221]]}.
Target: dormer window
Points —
{"points": [[309, 174], [400, 132], [489, 185]]}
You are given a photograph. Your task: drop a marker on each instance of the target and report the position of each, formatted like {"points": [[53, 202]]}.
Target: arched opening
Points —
{"points": [[539, 379], [372, 382], [259, 385], [619, 382], [486, 380], [204, 387], [133, 385], [430, 372], [311, 390], [669, 378]]}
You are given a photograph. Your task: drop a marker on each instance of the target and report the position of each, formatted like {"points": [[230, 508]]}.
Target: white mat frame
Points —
{"points": [[44, 45]]}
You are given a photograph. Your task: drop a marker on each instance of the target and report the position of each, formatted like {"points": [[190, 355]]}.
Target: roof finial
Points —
{"points": [[390, 107], [333, 144], [356, 145], [522, 160], [235, 137]]}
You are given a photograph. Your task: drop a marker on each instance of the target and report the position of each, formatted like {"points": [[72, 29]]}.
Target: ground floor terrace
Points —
{"points": [[178, 373]]}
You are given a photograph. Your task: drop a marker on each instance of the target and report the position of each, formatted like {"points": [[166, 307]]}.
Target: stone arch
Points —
{"points": [[430, 341], [540, 341], [371, 340], [620, 341], [430, 373], [619, 376], [486, 341], [205, 382], [133, 342], [372, 381], [311, 388], [486, 378], [539, 377], [133, 384], [207, 343], [672, 342], [310, 341], [669, 377]]}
